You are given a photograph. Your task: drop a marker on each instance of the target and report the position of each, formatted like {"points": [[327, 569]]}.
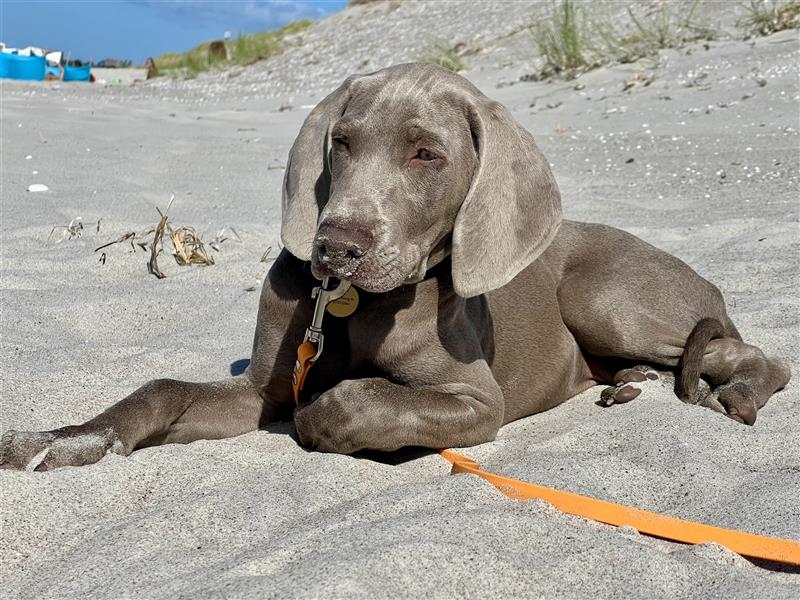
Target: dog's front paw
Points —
{"points": [[46, 450], [326, 423]]}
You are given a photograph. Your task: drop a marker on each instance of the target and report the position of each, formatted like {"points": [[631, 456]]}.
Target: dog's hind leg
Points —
{"points": [[628, 381], [624, 299]]}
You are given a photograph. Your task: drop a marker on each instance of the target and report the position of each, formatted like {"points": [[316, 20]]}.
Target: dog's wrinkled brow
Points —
{"points": [[416, 133], [346, 126], [411, 131]]}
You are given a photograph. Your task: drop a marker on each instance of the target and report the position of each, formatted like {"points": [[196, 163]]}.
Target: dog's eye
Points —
{"points": [[426, 155], [341, 141]]}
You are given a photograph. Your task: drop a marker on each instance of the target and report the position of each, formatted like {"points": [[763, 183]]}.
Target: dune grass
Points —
{"points": [[243, 50], [765, 17], [572, 40], [563, 40], [443, 55]]}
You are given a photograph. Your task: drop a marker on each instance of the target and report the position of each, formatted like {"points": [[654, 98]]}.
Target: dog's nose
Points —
{"points": [[342, 249]]}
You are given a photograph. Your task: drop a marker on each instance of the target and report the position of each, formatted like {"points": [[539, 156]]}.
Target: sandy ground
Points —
{"points": [[713, 179]]}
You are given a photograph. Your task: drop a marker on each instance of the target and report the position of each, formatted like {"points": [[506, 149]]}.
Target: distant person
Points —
{"points": [[152, 70], [217, 51]]}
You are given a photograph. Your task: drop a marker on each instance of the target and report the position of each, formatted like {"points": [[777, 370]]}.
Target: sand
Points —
{"points": [[713, 180]]}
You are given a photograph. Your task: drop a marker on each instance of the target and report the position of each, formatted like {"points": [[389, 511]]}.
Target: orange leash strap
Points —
{"points": [[305, 359], [662, 526]]}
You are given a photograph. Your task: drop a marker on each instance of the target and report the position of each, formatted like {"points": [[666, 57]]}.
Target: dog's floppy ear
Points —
{"points": [[307, 179], [513, 208]]}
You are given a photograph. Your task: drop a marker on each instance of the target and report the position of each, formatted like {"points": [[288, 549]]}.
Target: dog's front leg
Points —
{"points": [[161, 411], [168, 411], [376, 414]]}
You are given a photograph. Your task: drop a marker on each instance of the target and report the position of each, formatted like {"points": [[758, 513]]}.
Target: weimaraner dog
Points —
{"points": [[478, 304]]}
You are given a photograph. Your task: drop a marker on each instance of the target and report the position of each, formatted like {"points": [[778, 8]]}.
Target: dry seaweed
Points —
{"points": [[157, 243], [222, 237], [72, 230], [187, 247], [131, 235], [266, 258]]}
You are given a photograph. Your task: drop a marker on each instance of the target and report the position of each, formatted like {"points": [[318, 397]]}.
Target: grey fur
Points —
{"points": [[479, 306]]}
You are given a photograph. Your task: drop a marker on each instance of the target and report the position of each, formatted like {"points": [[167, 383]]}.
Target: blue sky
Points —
{"points": [[136, 29]]}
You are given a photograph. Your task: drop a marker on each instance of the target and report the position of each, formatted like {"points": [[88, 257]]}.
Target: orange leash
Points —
{"points": [[305, 358], [668, 528]]}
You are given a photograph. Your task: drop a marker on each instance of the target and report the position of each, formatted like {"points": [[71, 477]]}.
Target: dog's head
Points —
{"points": [[395, 170]]}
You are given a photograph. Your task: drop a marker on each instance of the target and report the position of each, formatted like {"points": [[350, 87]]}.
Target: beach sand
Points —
{"points": [[713, 180]]}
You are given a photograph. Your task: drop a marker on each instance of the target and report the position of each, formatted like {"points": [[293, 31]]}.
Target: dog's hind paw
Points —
{"points": [[628, 385]]}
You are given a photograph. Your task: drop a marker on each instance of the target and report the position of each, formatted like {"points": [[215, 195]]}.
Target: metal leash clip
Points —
{"points": [[324, 295]]}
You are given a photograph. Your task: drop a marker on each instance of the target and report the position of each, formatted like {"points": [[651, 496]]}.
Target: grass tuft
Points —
{"points": [[564, 40], [765, 17], [668, 29], [444, 56], [572, 41]]}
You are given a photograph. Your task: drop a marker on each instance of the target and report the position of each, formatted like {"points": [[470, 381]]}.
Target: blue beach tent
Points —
{"points": [[30, 68], [77, 73]]}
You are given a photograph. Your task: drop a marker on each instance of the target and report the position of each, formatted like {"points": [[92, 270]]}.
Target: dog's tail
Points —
{"points": [[692, 359]]}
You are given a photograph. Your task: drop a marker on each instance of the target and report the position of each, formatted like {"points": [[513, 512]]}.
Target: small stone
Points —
{"points": [[37, 187]]}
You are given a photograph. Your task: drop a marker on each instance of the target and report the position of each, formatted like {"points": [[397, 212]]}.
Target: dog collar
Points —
{"points": [[340, 300]]}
